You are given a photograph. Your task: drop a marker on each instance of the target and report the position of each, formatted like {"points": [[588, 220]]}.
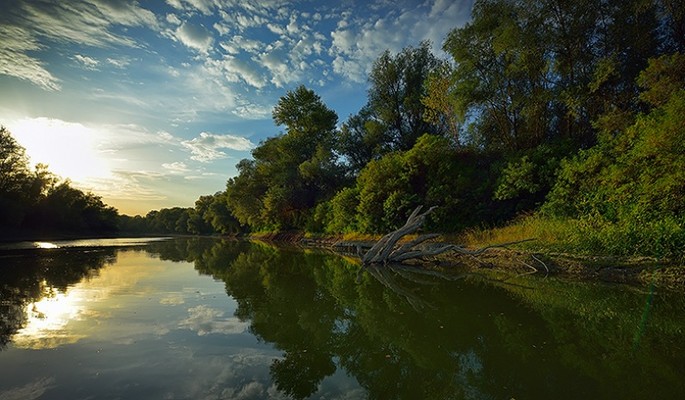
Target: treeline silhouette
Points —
{"points": [[39, 203]]}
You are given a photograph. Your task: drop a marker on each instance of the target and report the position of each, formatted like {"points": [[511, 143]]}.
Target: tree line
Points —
{"points": [[570, 110], [37, 202]]}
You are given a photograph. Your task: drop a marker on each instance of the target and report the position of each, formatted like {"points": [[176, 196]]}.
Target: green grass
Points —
{"points": [[664, 239]]}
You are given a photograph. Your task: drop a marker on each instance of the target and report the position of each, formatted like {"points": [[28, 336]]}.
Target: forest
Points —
{"points": [[562, 120]]}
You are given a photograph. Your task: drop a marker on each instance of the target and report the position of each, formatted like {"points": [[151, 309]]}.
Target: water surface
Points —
{"points": [[211, 319]]}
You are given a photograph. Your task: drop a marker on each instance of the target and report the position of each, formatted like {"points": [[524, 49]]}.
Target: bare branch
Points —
{"points": [[386, 250]]}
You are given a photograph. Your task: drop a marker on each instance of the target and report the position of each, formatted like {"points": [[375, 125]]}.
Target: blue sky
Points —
{"points": [[150, 104]]}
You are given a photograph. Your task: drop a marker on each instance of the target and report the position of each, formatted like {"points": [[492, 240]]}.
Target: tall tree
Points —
{"points": [[396, 90], [15, 180], [362, 138], [501, 77], [291, 172]]}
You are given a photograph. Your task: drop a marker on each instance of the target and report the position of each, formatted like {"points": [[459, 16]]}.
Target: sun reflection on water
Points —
{"points": [[45, 245], [65, 316], [47, 321]]}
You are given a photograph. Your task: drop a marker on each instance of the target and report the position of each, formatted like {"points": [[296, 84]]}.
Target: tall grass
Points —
{"points": [[662, 239]]}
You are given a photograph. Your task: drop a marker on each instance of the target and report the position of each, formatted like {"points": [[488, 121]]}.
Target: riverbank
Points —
{"points": [[517, 259]]}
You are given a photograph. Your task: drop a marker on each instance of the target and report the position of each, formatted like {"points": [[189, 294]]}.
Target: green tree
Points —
{"points": [[292, 172], [432, 173], [501, 75], [196, 219], [395, 93], [627, 191], [219, 215]]}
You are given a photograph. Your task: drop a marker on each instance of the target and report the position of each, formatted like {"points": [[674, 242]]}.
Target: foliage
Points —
{"points": [[292, 172], [628, 191], [40, 202], [432, 172], [395, 93]]}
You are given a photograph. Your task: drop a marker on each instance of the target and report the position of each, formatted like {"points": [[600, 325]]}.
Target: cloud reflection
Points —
{"points": [[206, 320], [30, 391]]}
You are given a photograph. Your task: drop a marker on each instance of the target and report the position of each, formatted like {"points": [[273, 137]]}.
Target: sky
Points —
{"points": [[151, 104]]}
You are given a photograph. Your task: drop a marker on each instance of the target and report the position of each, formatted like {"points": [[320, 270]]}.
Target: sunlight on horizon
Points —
{"points": [[69, 149]]}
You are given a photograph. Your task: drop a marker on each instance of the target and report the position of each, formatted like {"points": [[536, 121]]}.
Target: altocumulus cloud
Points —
{"points": [[195, 36], [207, 146]]}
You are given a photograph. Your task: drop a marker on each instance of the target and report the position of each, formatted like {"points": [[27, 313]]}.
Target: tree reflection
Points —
{"points": [[409, 334], [31, 275], [405, 333]]}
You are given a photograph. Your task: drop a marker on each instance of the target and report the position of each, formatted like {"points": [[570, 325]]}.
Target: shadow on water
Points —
{"points": [[403, 333]]}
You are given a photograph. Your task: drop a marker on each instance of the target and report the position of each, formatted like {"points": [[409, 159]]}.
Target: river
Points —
{"points": [[195, 318]]}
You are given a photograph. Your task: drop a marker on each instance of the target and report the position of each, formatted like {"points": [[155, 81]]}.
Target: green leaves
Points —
{"points": [[291, 172]]}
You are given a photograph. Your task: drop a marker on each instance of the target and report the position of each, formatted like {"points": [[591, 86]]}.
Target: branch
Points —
{"points": [[385, 250]]}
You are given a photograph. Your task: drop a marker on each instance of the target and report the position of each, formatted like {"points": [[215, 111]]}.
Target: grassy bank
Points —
{"points": [[576, 249], [662, 241]]}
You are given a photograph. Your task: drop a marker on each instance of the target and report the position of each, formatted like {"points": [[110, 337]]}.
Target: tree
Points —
{"points": [[219, 215], [627, 191], [15, 181], [501, 77], [435, 172], [362, 138], [440, 99], [395, 93], [292, 172]]}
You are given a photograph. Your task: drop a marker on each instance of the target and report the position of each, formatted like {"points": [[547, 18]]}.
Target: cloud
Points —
{"points": [[195, 37], [276, 29], [131, 185], [173, 19], [206, 320], [235, 70], [206, 147], [14, 60], [252, 111], [87, 23], [281, 72], [126, 13], [176, 167], [357, 43], [204, 6], [239, 43], [88, 62], [119, 62]]}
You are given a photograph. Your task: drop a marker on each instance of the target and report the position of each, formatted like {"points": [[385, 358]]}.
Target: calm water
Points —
{"points": [[209, 319]]}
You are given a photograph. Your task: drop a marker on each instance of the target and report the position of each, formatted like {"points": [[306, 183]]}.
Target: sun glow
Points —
{"points": [[48, 319], [71, 150]]}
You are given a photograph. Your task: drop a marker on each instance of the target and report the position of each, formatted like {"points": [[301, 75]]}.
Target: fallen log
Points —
{"points": [[386, 250]]}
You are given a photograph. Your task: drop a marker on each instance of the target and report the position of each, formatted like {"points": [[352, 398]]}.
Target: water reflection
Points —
{"points": [[33, 292], [299, 324]]}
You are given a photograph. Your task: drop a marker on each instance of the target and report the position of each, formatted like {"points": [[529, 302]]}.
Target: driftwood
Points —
{"points": [[386, 250]]}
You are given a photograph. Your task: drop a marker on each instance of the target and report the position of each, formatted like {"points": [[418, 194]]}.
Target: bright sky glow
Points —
{"points": [[150, 104]]}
